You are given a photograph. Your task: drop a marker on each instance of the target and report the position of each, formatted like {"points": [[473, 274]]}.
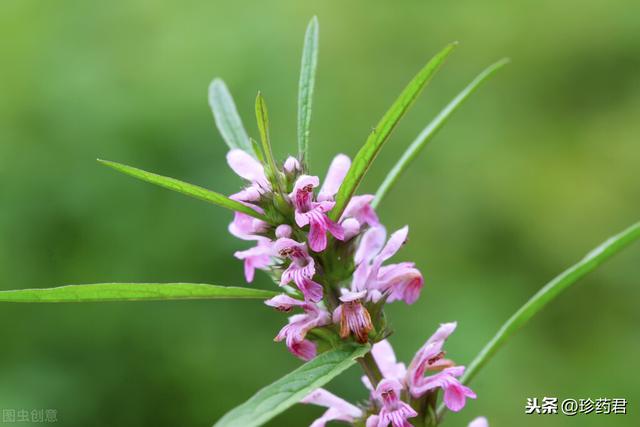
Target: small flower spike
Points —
{"points": [[338, 409], [394, 411]]}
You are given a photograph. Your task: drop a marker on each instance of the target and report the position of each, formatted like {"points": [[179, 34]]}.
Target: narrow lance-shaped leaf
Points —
{"points": [[262, 116], [290, 389], [548, 293], [227, 118], [184, 188], [103, 292], [385, 126], [305, 88], [432, 128]]}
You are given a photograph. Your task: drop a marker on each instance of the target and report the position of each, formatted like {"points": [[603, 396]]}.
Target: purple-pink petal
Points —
{"points": [[258, 257], [247, 167], [359, 207], [284, 302], [335, 175], [370, 245]]}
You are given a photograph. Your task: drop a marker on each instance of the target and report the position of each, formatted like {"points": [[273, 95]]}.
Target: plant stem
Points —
{"points": [[370, 368]]}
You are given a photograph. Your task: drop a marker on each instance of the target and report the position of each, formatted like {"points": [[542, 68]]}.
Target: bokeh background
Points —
{"points": [[540, 166]]}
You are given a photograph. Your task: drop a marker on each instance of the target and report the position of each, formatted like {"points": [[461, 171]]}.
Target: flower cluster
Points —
{"points": [[332, 271], [386, 405], [336, 274]]}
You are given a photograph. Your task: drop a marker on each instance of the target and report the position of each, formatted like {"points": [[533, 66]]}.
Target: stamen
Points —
{"points": [[435, 358]]}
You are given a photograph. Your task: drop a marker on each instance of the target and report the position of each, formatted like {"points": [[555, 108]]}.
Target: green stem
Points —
{"points": [[370, 368], [548, 293]]}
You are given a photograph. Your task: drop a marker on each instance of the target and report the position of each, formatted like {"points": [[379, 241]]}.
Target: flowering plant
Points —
{"points": [[331, 257]]}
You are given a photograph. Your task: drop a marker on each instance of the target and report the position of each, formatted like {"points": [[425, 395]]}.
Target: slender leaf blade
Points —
{"points": [[184, 188], [262, 116], [431, 129], [548, 293], [306, 86], [103, 292], [226, 116], [290, 389], [383, 129]]}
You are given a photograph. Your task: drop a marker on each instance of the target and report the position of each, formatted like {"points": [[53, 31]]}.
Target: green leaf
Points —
{"points": [[381, 132], [290, 389], [184, 188], [227, 118], [548, 293], [432, 128], [305, 87], [133, 292], [262, 117]]}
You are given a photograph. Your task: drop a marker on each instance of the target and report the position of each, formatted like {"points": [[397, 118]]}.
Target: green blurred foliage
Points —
{"points": [[540, 166]]}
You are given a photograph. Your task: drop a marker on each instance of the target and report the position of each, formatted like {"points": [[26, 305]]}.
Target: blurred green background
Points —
{"points": [[540, 166]]}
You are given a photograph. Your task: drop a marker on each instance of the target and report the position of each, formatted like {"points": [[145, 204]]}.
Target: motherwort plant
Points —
{"points": [[331, 258]]}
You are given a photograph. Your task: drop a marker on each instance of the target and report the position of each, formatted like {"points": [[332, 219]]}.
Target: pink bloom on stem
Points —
{"points": [[283, 230], [401, 281], [359, 208], [338, 409], [285, 303], [301, 270], [248, 168], [351, 228], [257, 257], [431, 357], [394, 411], [314, 213], [353, 316], [455, 394], [295, 331], [291, 165], [335, 175], [479, 422], [246, 227]]}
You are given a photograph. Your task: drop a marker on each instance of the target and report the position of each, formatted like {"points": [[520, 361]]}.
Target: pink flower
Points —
{"points": [[246, 227], [351, 228], [359, 208], [301, 270], [257, 257], [479, 422], [455, 394], [353, 317], [291, 165], [314, 213], [430, 357], [401, 281], [295, 331], [250, 169], [285, 303], [338, 409], [394, 411]]}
